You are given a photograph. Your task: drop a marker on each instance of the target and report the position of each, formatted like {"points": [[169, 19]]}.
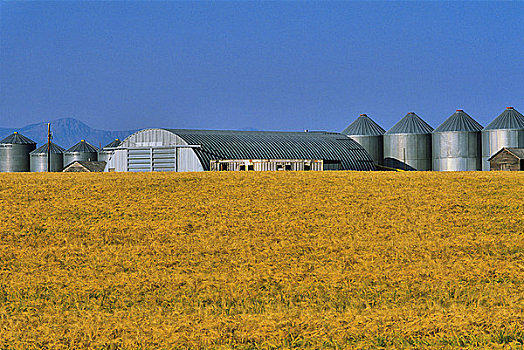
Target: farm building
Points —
{"points": [[407, 145], [39, 158], [507, 159], [79, 166], [81, 151], [507, 130], [195, 150], [369, 135], [14, 153], [457, 144]]}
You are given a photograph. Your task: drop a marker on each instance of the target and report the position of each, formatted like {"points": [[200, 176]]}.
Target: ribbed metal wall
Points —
{"points": [[408, 151], [457, 151], [70, 157], [374, 145], [39, 162]]}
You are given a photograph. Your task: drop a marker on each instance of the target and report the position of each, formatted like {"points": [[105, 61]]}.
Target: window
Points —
{"points": [[250, 167], [307, 167], [242, 167], [288, 167]]}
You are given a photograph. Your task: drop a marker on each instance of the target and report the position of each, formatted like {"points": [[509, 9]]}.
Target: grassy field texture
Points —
{"points": [[261, 260]]}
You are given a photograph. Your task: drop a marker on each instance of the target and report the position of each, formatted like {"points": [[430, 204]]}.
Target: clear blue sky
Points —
{"points": [[263, 65]]}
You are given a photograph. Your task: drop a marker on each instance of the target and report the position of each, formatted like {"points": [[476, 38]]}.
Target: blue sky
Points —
{"points": [[262, 65]]}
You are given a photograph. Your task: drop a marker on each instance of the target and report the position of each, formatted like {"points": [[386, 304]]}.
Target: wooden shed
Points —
{"points": [[79, 166], [507, 159]]}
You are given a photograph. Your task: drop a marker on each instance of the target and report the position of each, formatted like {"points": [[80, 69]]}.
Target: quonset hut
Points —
{"points": [[195, 150], [38, 159], [82, 151], [407, 145], [14, 153], [369, 135], [457, 144], [107, 151], [507, 130]]}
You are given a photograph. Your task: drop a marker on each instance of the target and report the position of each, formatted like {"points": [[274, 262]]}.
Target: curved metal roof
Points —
{"points": [[364, 126], [459, 121], [113, 144], [509, 119], [82, 146], [411, 124], [55, 149], [225, 144], [17, 139]]}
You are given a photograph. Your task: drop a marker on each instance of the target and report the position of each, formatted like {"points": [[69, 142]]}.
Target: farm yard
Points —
{"points": [[261, 260]]}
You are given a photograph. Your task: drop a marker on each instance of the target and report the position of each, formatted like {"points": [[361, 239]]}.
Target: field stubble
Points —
{"points": [[261, 260]]}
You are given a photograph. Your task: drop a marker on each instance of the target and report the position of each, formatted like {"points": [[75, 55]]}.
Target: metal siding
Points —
{"points": [[70, 157], [38, 162], [15, 157], [418, 151], [374, 145], [457, 151]]}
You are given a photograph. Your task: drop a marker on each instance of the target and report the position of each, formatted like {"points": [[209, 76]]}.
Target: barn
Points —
{"points": [[196, 150], [507, 159]]}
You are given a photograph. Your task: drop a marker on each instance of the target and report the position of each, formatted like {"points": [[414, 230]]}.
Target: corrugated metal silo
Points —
{"points": [[407, 145], [507, 130], [457, 144], [82, 151], [107, 151], [14, 153], [369, 135], [39, 158]]}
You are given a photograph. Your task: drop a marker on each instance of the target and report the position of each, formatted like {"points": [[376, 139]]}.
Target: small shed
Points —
{"points": [[79, 166], [507, 159]]}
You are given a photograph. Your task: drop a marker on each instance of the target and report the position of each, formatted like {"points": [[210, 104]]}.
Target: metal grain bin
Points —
{"points": [[507, 130], [369, 135], [82, 151], [107, 151], [39, 158], [14, 153], [457, 144], [407, 145]]}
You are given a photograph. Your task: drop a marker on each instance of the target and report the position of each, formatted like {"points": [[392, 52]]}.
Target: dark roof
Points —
{"points": [[82, 146], [459, 121], [54, 149], [225, 144], [365, 126], [517, 152], [90, 166], [411, 124], [113, 144], [509, 119], [17, 139]]}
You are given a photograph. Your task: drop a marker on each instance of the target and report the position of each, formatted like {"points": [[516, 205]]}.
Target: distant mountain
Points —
{"points": [[67, 132]]}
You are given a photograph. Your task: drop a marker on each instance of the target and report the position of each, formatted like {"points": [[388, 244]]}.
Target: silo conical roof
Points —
{"points": [[364, 126], [411, 124], [82, 146], [17, 139], [55, 149], [459, 121], [113, 144], [509, 119]]}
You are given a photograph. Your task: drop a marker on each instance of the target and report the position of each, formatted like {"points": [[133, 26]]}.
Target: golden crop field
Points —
{"points": [[261, 260]]}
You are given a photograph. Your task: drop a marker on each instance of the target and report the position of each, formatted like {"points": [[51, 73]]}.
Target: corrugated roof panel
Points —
{"points": [[459, 121], [82, 146], [364, 126], [17, 139], [225, 144], [113, 144], [509, 119], [411, 124], [55, 149]]}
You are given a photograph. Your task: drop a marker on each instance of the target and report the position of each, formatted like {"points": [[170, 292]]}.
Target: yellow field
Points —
{"points": [[261, 260]]}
